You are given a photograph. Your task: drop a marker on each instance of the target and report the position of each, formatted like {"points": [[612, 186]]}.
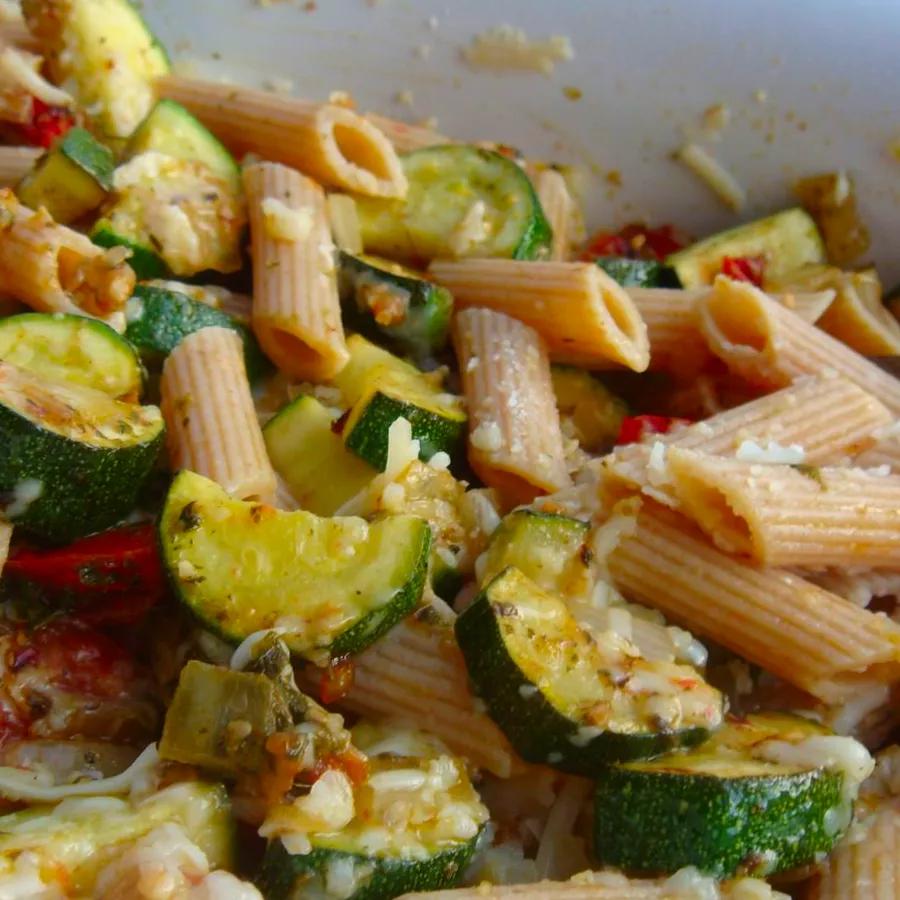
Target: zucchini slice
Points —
{"points": [[387, 301], [72, 459], [335, 585], [158, 320], [593, 412], [547, 548], [377, 856], [178, 204], [76, 841], [380, 388], [72, 179], [73, 349], [304, 449], [462, 201], [645, 273], [568, 700], [751, 800], [787, 240], [219, 719], [102, 52]]}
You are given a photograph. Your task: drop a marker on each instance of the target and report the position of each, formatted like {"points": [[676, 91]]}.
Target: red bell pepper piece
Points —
{"points": [[111, 577], [336, 680], [635, 241], [47, 124], [745, 268], [634, 428]]}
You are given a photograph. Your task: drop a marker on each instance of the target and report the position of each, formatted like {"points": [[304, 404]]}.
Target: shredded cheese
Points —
{"points": [[773, 452], [706, 167], [510, 49], [283, 223]]}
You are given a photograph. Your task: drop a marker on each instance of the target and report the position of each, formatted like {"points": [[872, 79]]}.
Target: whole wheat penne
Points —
{"points": [[859, 586], [866, 864], [406, 137], [16, 163], [15, 33], [52, 268], [785, 516], [794, 629], [803, 414], [575, 306], [611, 885], [770, 346], [858, 318], [557, 203], [332, 144], [885, 452], [211, 425], [296, 310], [344, 221], [515, 440], [416, 674], [5, 536]]}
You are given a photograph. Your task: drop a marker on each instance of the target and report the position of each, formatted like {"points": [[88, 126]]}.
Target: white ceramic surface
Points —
{"points": [[647, 70]]}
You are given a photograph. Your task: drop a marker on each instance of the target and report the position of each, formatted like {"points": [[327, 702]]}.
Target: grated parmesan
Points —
{"points": [[487, 437], [706, 167], [506, 48], [284, 223], [773, 453]]}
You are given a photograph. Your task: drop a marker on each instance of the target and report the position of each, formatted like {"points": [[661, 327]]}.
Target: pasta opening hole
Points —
{"points": [[709, 506], [739, 324], [360, 150], [291, 353], [623, 315]]}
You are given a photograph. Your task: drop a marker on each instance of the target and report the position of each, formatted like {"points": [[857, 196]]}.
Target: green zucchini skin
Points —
{"points": [[724, 827], [283, 876], [422, 332], [539, 732], [84, 488], [74, 349], [368, 437], [203, 531], [646, 273], [159, 319], [146, 263]]}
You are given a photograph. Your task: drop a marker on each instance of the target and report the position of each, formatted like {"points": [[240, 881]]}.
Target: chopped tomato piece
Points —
{"points": [[634, 428], [336, 680], [745, 268], [47, 124], [635, 241]]}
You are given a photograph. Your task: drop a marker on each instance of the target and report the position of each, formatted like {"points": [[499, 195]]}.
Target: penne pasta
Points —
{"points": [[417, 674], [576, 308], [866, 864], [406, 137], [332, 144], [344, 221], [52, 268], [770, 346], [5, 536], [515, 441], [558, 205], [859, 586], [886, 452], [16, 163], [790, 627], [296, 311], [790, 516], [801, 414], [15, 33], [211, 425]]}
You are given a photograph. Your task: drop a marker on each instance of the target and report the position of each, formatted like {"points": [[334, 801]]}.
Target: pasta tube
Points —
{"points": [[406, 137], [790, 627], [515, 440], [576, 308], [332, 144], [416, 673], [790, 516], [296, 310], [558, 205], [52, 268], [803, 414], [770, 346], [344, 221], [16, 163], [211, 425], [866, 864]]}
